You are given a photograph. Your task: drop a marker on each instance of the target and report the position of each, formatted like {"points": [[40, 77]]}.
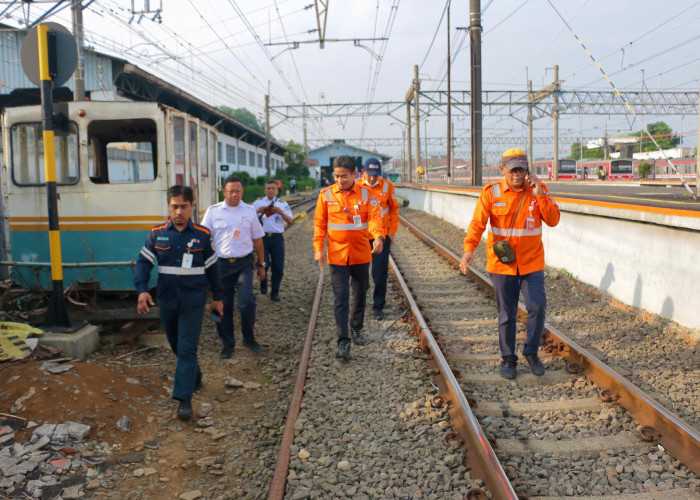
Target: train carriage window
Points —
{"points": [[27, 155], [621, 167], [122, 151], [179, 149], [193, 149], [203, 163]]}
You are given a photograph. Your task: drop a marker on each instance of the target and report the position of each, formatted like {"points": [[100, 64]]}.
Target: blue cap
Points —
{"points": [[372, 166]]}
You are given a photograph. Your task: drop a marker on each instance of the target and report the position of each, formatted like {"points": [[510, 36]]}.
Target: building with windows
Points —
{"points": [[323, 157]]}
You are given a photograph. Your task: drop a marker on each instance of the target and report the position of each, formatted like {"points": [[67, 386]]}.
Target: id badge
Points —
{"points": [[357, 221], [531, 223], [187, 260], [236, 234]]}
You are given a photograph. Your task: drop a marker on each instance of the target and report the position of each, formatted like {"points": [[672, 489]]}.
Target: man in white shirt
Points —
{"points": [[273, 213], [236, 233]]}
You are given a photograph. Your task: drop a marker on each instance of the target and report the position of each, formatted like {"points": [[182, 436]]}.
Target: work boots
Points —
{"points": [[343, 351], [357, 337]]}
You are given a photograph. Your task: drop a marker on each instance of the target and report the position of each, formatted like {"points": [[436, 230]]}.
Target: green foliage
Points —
{"points": [[253, 192], [645, 169], [261, 179], [243, 115], [296, 161], [576, 152], [668, 141]]}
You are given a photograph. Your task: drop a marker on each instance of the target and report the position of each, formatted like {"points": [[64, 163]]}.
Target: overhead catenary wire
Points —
{"points": [[255, 35], [627, 104]]}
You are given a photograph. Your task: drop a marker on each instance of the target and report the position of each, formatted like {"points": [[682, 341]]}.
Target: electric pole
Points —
{"points": [[416, 88], [268, 164], [529, 123], [555, 160], [449, 103], [79, 73], [409, 151], [475, 44]]}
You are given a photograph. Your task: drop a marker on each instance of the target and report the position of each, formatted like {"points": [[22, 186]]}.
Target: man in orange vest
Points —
{"points": [[515, 206], [381, 190], [349, 219]]}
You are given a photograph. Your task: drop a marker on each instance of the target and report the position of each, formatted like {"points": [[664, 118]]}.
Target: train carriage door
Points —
{"points": [[203, 175], [213, 168]]}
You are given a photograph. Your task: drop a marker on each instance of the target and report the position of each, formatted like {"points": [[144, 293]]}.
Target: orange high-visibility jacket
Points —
{"points": [[497, 204], [383, 192], [347, 244]]}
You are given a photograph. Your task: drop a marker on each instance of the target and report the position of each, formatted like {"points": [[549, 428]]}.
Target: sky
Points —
{"points": [[216, 50]]}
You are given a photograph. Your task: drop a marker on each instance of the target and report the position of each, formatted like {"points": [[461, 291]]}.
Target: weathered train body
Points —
{"points": [[114, 162]]}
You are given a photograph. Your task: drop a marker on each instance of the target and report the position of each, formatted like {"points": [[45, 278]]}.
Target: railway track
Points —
{"points": [[581, 430]]}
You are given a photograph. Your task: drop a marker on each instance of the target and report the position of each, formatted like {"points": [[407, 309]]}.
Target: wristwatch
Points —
{"points": [[382, 238], [263, 265]]}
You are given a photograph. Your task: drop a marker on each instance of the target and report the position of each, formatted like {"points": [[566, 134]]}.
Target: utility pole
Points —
{"points": [[555, 161], [409, 151], [267, 136], [79, 73], [529, 123], [449, 103], [475, 44], [416, 88], [425, 138], [306, 146]]}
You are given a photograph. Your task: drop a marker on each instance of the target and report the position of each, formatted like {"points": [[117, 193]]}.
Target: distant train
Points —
{"points": [[581, 170], [114, 164]]}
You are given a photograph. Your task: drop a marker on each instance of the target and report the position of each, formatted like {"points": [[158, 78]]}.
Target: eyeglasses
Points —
{"points": [[518, 170]]}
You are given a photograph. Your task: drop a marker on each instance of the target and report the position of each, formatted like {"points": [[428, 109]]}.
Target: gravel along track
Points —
{"points": [[366, 427], [553, 435], [653, 353]]}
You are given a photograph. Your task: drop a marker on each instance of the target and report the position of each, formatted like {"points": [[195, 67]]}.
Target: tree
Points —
{"points": [[244, 116], [663, 134], [587, 153], [296, 161]]}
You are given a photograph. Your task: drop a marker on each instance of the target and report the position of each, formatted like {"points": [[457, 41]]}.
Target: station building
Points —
{"points": [[323, 157]]}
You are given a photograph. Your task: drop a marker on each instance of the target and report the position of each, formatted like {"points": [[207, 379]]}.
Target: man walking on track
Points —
{"points": [[273, 213], [516, 207], [381, 190], [237, 233], [349, 219], [186, 263]]}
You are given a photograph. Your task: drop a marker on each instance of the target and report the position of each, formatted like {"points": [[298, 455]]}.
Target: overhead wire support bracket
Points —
{"points": [[354, 40]]}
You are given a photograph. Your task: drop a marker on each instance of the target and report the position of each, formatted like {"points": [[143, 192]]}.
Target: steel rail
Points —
{"points": [[672, 432], [480, 456], [279, 477]]}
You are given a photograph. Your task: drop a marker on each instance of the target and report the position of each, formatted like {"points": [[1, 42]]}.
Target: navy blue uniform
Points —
{"points": [[186, 263]]}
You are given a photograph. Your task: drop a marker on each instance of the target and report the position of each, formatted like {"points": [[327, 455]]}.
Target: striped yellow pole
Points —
{"points": [[56, 314]]}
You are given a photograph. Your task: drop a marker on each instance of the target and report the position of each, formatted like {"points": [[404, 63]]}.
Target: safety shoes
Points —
{"points": [[536, 366], [227, 352], [379, 314], [343, 351], [509, 369], [263, 287], [275, 297], [357, 337], [184, 410]]}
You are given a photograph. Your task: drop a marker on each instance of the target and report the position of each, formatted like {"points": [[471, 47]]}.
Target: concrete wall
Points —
{"points": [[644, 258]]}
